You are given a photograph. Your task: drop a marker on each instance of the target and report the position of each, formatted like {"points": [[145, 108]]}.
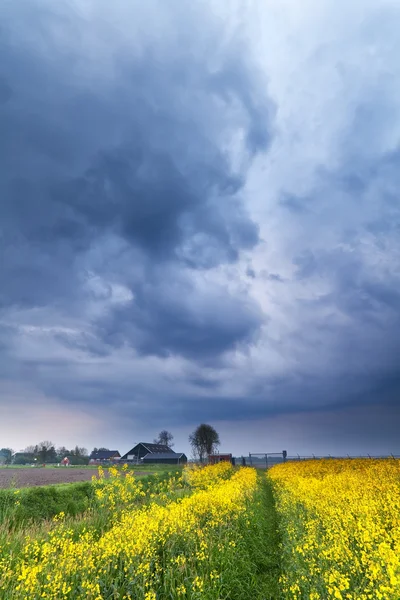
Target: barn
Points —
{"points": [[216, 458], [143, 448], [165, 458], [100, 456]]}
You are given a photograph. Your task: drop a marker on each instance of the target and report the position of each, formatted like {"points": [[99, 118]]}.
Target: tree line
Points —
{"points": [[204, 441], [46, 452]]}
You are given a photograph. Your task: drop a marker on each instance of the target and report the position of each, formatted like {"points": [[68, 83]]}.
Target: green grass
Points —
{"points": [[43, 502], [263, 544], [270, 564]]}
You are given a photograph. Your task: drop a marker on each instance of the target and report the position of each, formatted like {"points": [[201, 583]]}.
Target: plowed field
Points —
{"points": [[32, 476]]}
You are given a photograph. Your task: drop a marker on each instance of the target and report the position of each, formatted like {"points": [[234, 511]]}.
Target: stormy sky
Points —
{"points": [[200, 222]]}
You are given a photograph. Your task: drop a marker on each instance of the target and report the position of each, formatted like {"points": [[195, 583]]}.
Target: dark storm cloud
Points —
{"points": [[136, 154], [355, 318], [171, 318], [279, 399], [131, 274], [142, 194]]}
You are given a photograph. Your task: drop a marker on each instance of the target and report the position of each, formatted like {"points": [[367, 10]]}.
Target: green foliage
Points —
{"points": [[23, 458], [44, 452], [78, 460], [37, 503], [6, 455], [263, 543]]}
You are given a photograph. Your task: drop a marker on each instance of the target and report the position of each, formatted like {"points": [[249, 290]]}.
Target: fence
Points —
{"points": [[261, 460], [347, 456], [265, 460]]}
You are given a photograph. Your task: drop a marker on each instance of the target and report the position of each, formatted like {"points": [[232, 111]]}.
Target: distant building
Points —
{"points": [[101, 456], [213, 459], [142, 449], [165, 458]]}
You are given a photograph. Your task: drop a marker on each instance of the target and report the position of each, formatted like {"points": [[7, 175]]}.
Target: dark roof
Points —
{"points": [[104, 454], [163, 455], [157, 448], [150, 447]]}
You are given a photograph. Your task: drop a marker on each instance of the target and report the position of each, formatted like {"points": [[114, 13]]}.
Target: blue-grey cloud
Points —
{"points": [[167, 318], [136, 157]]}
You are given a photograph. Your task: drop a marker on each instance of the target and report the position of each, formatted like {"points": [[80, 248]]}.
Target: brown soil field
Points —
{"points": [[32, 476]]}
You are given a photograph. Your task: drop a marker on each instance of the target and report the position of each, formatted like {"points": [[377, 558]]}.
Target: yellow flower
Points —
{"points": [[341, 528], [70, 563]]}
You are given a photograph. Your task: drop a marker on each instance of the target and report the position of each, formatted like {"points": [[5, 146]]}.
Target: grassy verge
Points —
{"points": [[43, 502], [263, 544]]}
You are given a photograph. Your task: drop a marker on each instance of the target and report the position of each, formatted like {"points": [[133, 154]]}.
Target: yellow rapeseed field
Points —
{"points": [[340, 523], [181, 544]]}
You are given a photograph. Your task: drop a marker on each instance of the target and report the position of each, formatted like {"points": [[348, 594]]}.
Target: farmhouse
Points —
{"points": [[101, 456], [143, 448], [165, 458]]}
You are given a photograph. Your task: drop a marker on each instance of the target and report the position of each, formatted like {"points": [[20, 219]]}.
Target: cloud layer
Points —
{"points": [[200, 216]]}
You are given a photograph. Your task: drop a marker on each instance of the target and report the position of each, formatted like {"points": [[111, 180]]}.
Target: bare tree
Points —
{"points": [[165, 437], [204, 441], [31, 449]]}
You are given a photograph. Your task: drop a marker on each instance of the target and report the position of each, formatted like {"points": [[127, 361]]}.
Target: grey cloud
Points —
{"points": [[116, 171], [5, 91], [86, 343], [295, 204], [138, 156], [171, 317], [275, 277]]}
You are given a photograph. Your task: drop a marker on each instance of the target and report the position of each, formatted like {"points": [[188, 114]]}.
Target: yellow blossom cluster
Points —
{"points": [[151, 551], [121, 490], [203, 477], [340, 523]]}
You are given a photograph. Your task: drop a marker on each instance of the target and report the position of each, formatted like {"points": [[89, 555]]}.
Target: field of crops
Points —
{"points": [[189, 535], [315, 530], [340, 525]]}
